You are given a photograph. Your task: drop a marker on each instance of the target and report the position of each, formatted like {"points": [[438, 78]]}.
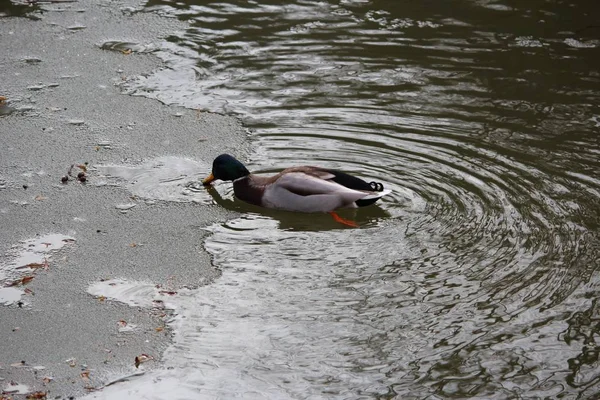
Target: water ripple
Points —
{"points": [[478, 276]]}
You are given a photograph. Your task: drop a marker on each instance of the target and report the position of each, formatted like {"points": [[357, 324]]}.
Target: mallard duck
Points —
{"points": [[304, 189]]}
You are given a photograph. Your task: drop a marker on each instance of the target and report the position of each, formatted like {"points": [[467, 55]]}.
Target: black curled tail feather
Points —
{"points": [[352, 182], [376, 186]]}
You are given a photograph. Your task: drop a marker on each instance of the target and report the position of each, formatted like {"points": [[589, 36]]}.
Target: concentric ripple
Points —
{"points": [[478, 276]]}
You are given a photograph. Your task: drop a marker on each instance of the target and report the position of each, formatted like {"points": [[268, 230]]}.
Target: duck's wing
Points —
{"points": [[320, 173], [309, 190], [306, 184], [350, 181], [339, 177]]}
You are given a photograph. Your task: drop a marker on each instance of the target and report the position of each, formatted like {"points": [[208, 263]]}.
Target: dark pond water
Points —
{"points": [[478, 277]]}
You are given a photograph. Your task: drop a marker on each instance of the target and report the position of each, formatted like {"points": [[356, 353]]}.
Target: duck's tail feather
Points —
{"points": [[376, 186], [372, 197]]}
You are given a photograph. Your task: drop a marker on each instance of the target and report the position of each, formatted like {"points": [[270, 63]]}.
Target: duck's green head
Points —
{"points": [[226, 168]]}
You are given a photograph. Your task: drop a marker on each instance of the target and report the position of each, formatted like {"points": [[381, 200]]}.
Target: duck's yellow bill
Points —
{"points": [[208, 179]]}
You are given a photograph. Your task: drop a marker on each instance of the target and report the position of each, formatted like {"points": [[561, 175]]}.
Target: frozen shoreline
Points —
{"points": [[68, 109]]}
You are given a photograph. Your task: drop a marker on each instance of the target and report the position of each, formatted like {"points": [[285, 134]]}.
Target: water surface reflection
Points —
{"points": [[479, 276]]}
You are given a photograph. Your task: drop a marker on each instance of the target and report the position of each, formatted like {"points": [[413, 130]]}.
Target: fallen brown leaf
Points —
{"points": [[101, 298], [159, 329], [23, 281], [142, 358], [32, 266], [85, 375], [26, 280], [36, 396], [126, 51], [47, 380], [39, 197]]}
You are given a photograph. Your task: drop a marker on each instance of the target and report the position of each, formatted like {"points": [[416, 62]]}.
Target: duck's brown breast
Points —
{"points": [[246, 190]]}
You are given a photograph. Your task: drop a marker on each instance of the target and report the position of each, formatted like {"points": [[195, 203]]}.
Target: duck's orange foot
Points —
{"points": [[343, 221]]}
